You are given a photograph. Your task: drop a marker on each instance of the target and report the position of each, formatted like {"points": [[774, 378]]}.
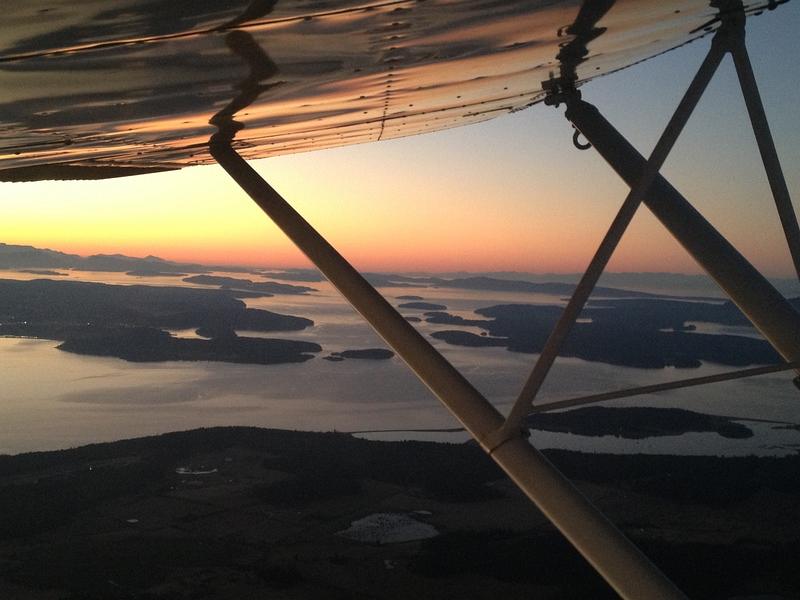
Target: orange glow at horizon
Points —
{"points": [[434, 216], [511, 194], [422, 222]]}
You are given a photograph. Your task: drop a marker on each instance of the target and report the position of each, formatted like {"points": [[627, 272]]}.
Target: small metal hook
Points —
{"points": [[577, 143]]}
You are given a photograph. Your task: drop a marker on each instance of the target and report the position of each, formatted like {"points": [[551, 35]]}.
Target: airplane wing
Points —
{"points": [[106, 88]]}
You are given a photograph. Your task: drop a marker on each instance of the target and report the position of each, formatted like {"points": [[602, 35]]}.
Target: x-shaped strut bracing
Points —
{"points": [[761, 303]]}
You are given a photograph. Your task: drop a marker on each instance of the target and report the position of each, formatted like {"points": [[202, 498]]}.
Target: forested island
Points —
{"points": [[236, 283], [636, 422], [644, 333], [132, 322], [361, 354]]}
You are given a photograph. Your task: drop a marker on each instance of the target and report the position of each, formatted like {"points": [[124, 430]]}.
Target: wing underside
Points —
{"points": [[107, 88]]}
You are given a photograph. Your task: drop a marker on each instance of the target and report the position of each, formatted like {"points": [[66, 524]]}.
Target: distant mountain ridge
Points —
{"points": [[18, 257], [26, 257], [633, 284], [512, 285], [651, 281]]}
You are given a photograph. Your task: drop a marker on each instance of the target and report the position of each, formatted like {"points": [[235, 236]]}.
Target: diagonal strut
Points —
{"points": [[766, 147]]}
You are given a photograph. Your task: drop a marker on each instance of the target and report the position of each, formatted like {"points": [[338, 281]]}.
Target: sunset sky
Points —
{"points": [[509, 194]]}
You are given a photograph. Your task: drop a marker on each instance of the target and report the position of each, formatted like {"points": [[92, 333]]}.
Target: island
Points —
{"points": [[636, 422], [422, 306], [643, 333], [146, 344], [153, 273], [131, 322], [46, 272], [365, 354], [495, 284], [306, 275], [269, 287]]}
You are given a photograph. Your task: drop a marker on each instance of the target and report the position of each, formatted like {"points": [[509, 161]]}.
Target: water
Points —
{"points": [[51, 399]]}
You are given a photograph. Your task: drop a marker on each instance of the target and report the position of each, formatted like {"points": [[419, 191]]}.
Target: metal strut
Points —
{"points": [[766, 147], [663, 387], [611, 554]]}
